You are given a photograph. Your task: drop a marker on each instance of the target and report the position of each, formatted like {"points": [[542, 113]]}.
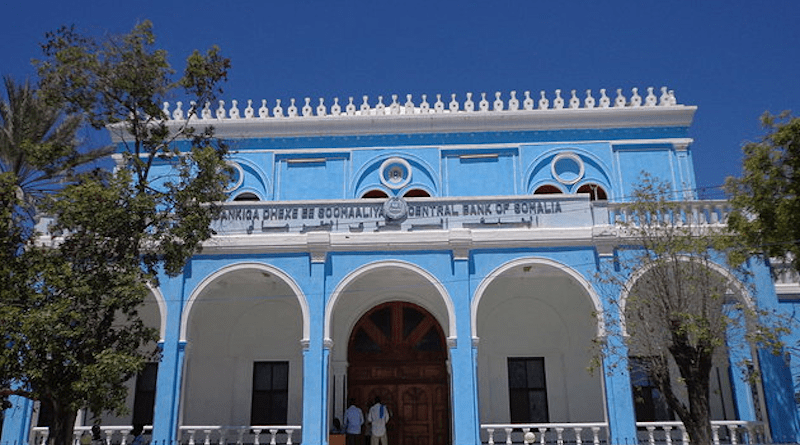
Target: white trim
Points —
{"points": [[356, 274], [287, 279], [162, 310], [572, 273], [575, 158]]}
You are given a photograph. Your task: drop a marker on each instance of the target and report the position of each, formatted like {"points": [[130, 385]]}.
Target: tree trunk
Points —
{"points": [[62, 428]]}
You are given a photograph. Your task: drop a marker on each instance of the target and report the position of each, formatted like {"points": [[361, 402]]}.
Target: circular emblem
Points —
{"points": [[395, 173], [395, 208]]}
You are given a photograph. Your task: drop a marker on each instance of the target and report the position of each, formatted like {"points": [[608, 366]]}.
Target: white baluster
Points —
{"points": [[651, 439], [498, 103], [664, 99], [578, 440], [543, 102], [240, 439], [469, 105], [558, 102], [513, 103], [490, 431], [178, 113], [525, 432], [541, 435], [574, 102], [380, 109], [289, 433], [732, 430], [668, 433], [619, 101], [528, 102], [321, 110], [272, 433], [207, 440], [508, 435], [221, 440], [439, 105], [109, 433], [596, 435], [234, 111], [650, 100], [257, 437], [124, 434], [191, 437], [605, 102], [483, 105], [750, 434], [409, 105], [453, 103], [589, 101], [715, 434], [636, 99], [560, 436]]}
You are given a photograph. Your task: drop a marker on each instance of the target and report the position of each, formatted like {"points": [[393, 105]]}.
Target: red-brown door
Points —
{"points": [[397, 352]]}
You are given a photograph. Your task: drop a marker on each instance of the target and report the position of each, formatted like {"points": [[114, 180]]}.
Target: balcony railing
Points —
{"points": [[724, 432], [112, 435], [255, 434]]}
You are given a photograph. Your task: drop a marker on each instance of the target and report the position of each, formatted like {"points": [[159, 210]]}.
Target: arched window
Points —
{"points": [[416, 193], [595, 192], [547, 190], [375, 194], [246, 196]]}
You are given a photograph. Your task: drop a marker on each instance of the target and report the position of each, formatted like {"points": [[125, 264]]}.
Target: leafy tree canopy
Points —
{"points": [[70, 312], [766, 198]]}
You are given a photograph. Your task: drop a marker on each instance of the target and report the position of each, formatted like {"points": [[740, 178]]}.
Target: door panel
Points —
{"points": [[397, 352]]}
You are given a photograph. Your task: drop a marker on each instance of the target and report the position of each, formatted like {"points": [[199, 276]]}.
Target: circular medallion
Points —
{"points": [[395, 173], [395, 208], [567, 168]]}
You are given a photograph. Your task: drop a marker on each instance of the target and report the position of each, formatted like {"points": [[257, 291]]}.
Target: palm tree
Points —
{"points": [[38, 143]]}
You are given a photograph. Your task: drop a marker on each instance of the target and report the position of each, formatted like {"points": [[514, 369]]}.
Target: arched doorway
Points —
{"points": [[397, 351]]}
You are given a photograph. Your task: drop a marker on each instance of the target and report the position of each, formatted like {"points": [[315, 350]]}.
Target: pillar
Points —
{"points": [[463, 362]]}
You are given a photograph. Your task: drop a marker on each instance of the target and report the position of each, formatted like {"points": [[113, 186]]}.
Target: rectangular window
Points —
{"points": [[527, 390], [650, 405], [144, 398], [270, 403]]}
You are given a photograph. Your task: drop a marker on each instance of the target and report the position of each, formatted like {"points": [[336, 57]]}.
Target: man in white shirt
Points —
{"points": [[378, 415], [353, 419]]}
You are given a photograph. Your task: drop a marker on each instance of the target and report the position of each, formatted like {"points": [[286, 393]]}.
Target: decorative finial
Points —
{"points": [[424, 107], [605, 102], [650, 100], [165, 110], [619, 101], [409, 105], [394, 107], [558, 102], [439, 105], [263, 112], [664, 99], [365, 106], [221, 110], [483, 104], [321, 110], [278, 110], [292, 110], [453, 103], [589, 101], [574, 102], [206, 113], [543, 102], [513, 102], [636, 99], [336, 109], [234, 110], [380, 109], [350, 108], [178, 113]]}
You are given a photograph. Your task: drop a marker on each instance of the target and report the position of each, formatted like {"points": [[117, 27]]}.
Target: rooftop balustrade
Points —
{"points": [[512, 103]]}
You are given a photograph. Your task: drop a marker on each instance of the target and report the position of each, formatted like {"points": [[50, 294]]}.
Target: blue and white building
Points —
{"points": [[439, 255]]}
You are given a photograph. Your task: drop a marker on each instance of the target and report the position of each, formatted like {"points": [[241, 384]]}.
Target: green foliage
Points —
{"points": [[766, 198], [70, 298]]}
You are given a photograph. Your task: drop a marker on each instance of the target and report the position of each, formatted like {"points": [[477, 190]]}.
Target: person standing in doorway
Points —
{"points": [[378, 416], [353, 419]]}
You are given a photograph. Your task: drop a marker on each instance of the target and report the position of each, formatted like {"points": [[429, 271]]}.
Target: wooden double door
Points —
{"points": [[397, 352]]}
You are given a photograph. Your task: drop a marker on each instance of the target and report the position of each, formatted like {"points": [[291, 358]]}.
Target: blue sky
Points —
{"points": [[733, 59]]}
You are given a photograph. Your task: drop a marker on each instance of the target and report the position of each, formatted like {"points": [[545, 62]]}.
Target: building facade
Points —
{"points": [[442, 257]]}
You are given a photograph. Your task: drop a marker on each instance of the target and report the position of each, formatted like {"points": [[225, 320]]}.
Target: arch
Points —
{"points": [[198, 290], [422, 167], [547, 189], [481, 289], [246, 197], [162, 310], [363, 270], [596, 170], [375, 194], [597, 192], [416, 192], [740, 289]]}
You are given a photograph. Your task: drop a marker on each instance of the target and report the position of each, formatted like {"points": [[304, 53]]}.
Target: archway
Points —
{"points": [[397, 351]]}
